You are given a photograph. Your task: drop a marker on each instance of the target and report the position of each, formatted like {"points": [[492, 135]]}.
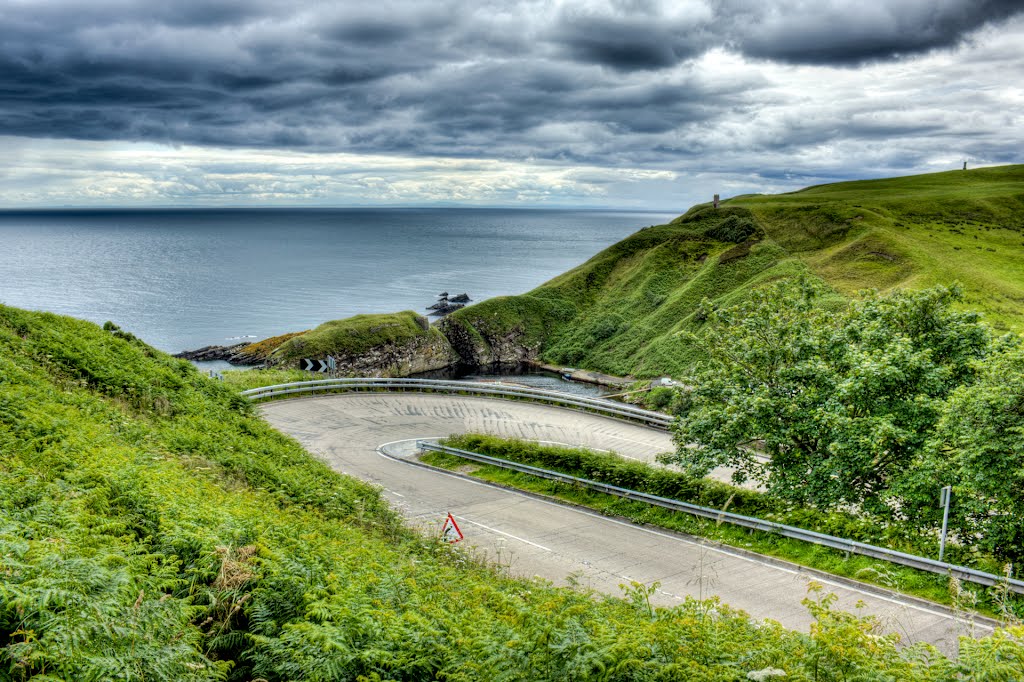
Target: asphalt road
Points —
{"points": [[534, 537]]}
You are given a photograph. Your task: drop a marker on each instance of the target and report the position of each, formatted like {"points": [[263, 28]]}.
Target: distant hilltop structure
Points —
{"points": [[446, 305], [716, 201]]}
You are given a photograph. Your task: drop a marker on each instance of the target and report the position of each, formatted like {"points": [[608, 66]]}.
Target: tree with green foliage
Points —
{"points": [[825, 402], [978, 449]]}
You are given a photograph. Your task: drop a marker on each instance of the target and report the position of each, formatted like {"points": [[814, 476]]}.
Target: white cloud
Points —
{"points": [[84, 173]]}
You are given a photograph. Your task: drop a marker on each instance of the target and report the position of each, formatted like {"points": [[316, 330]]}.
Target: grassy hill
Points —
{"points": [[632, 307], [911, 232], [153, 527]]}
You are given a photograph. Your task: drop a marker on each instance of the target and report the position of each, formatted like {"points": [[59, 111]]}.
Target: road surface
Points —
{"points": [[535, 537]]}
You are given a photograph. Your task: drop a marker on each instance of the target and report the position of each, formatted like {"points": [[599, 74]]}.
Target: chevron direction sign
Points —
{"points": [[317, 365]]}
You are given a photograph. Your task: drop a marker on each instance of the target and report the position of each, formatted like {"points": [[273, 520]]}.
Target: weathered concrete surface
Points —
{"points": [[537, 537]]}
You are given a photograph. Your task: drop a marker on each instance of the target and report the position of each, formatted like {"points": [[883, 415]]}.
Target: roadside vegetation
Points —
{"points": [[850, 416], [242, 380], [153, 527]]}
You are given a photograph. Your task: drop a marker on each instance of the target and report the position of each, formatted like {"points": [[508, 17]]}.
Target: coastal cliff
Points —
{"points": [[396, 358], [394, 344], [248, 354]]}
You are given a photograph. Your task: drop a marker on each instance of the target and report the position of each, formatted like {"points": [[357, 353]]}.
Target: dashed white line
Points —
{"points": [[501, 532]]}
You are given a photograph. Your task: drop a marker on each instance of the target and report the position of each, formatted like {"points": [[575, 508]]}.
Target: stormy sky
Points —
{"points": [[627, 103]]}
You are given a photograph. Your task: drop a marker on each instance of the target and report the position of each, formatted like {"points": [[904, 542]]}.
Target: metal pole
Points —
{"points": [[944, 495]]}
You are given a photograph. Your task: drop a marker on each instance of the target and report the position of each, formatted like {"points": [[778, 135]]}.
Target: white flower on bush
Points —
{"points": [[764, 674]]}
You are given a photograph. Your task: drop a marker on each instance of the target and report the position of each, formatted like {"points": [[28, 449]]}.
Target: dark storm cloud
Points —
{"points": [[607, 83], [625, 43], [850, 33], [630, 36]]}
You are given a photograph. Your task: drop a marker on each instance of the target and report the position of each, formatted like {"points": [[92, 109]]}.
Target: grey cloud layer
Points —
{"points": [[612, 83]]}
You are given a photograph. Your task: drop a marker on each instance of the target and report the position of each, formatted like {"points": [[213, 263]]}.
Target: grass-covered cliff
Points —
{"points": [[390, 344], [633, 307], [382, 344], [153, 527]]}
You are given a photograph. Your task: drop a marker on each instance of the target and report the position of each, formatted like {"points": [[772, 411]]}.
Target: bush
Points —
{"points": [[615, 470], [734, 229], [660, 397]]}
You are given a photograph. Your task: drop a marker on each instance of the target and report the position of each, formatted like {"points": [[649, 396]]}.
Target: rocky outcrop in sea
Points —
{"points": [[235, 354]]}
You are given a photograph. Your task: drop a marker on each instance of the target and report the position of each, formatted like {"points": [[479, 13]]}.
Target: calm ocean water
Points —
{"points": [[182, 279]]}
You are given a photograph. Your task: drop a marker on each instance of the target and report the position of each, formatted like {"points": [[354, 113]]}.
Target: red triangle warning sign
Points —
{"points": [[450, 532]]}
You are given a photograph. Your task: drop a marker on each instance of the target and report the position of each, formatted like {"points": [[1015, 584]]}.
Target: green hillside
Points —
{"points": [[152, 527], [629, 308], [913, 232]]}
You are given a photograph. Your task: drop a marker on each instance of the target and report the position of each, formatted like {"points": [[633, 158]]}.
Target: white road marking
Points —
{"points": [[501, 532]]}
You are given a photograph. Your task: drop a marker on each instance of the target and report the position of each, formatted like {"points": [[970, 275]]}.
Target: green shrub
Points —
{"points": [[734, 229], [659, 397], [618, 471]]}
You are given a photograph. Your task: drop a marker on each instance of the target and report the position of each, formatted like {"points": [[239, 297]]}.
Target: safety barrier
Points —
{"points": [[842, 544], [597, 405]]}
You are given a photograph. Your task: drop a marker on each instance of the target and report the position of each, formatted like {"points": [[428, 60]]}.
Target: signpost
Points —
{"points": [[944, 495], [450, 532]]}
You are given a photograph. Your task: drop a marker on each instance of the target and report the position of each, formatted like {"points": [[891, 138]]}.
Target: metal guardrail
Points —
{"points": [[605, 407], [842, 544]]}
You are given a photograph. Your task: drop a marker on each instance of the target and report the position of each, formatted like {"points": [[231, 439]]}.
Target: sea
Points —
{"points": [[187, 278]]}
